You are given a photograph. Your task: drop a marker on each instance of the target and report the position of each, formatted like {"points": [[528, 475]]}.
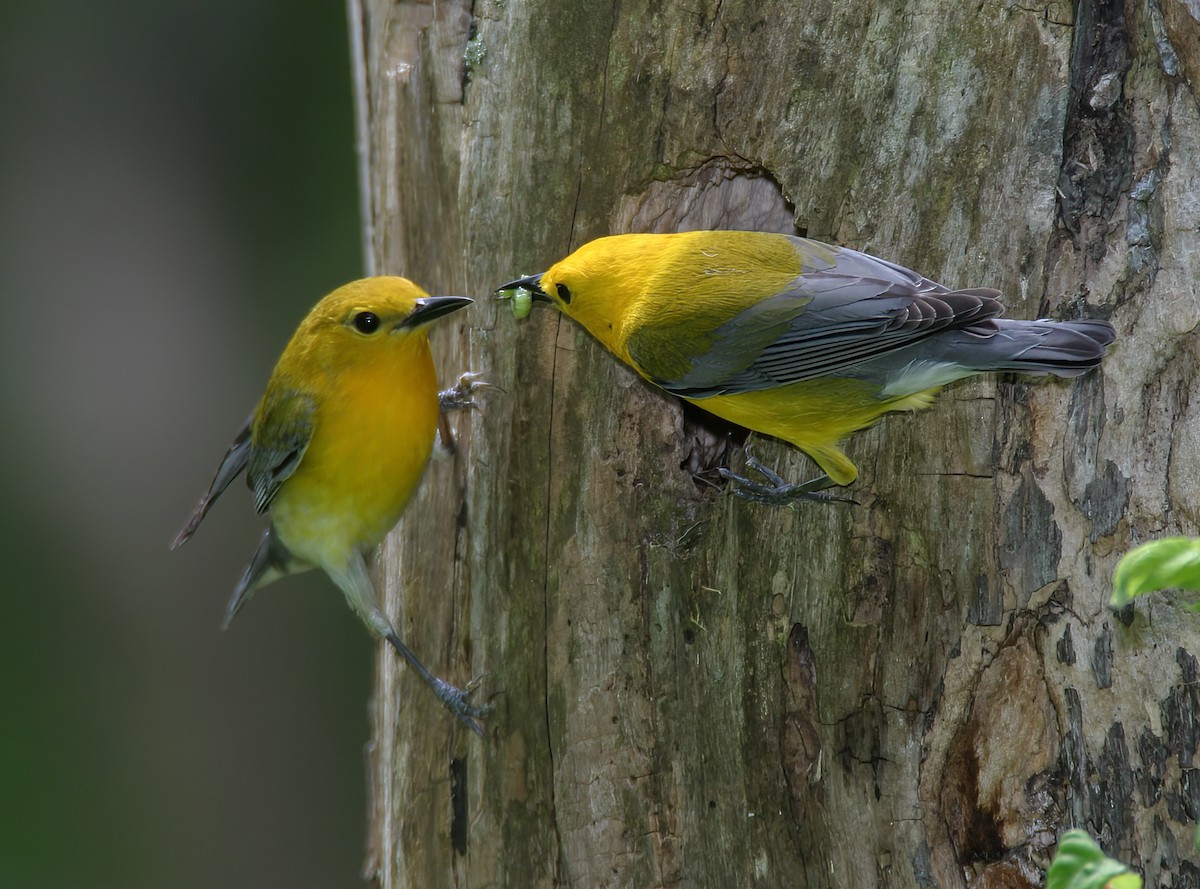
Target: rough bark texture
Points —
{"points": [[921, 688]]}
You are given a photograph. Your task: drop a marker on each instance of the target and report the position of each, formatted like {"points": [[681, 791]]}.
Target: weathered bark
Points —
{"points": [[920, 688]]}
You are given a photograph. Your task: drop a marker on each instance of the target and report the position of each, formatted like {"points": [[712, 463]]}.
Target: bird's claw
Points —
{"points": [[457, 701], [776, 491], [461, 395]]}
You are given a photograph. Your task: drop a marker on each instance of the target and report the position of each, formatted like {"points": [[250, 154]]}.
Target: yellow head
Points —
{"points": [[687, 283], [362, 322], [597, 283]]}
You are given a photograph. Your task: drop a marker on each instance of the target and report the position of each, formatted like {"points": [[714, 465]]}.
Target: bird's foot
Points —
{"points": [[457, 701], [461, 395], [776, 490]]}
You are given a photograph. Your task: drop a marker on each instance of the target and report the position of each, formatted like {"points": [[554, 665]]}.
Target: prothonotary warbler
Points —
{"points": [[794, 338], [337, 445]]}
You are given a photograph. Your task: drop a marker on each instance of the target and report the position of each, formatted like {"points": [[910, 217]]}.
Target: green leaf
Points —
{"points": [[1080, 863], [1158, 565]]}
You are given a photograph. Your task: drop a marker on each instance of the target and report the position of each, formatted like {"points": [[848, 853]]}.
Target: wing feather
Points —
{"points": [[845, 308], [282, 432], [231, 466]]}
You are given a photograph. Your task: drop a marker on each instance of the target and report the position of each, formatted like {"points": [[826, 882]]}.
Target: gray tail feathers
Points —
{"points": [[271, 561], [1062, 348]]}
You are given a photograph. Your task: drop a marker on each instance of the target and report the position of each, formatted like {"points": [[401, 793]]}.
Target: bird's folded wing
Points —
{"points": [[833, 316], [286, 424], [232, 464]]}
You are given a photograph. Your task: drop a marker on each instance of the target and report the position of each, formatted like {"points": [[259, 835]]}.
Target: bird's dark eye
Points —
{"points": [[564, 293], [366, 322]]}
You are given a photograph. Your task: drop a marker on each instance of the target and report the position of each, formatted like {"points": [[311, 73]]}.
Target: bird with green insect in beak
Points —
{"points": [[793, 338]]}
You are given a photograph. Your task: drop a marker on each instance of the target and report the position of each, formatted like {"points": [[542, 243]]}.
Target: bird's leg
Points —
{"points": [[355, 582], [455, 699], [462, 394], [776, 490]]}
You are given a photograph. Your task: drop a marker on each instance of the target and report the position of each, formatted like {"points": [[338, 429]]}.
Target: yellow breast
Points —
{"points": [[372, 437], [814, 415]]}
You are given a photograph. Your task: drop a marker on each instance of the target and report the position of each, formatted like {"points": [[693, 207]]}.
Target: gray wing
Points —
{"points": [[280, 438], [231, 467], [844, 309]]}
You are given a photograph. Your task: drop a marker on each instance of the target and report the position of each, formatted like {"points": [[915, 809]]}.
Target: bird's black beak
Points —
{"points": [[431, 307], [532, 283]]}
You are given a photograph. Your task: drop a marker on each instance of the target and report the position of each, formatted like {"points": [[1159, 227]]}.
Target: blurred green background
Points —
{"points": [[177, 188]]}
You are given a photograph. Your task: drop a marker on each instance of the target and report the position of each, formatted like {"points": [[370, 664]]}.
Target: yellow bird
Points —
{"points": [[338, 443], [796, 339]]}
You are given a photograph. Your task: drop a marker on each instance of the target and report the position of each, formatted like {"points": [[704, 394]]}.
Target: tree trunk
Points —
{"points": [[919, 688]]}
